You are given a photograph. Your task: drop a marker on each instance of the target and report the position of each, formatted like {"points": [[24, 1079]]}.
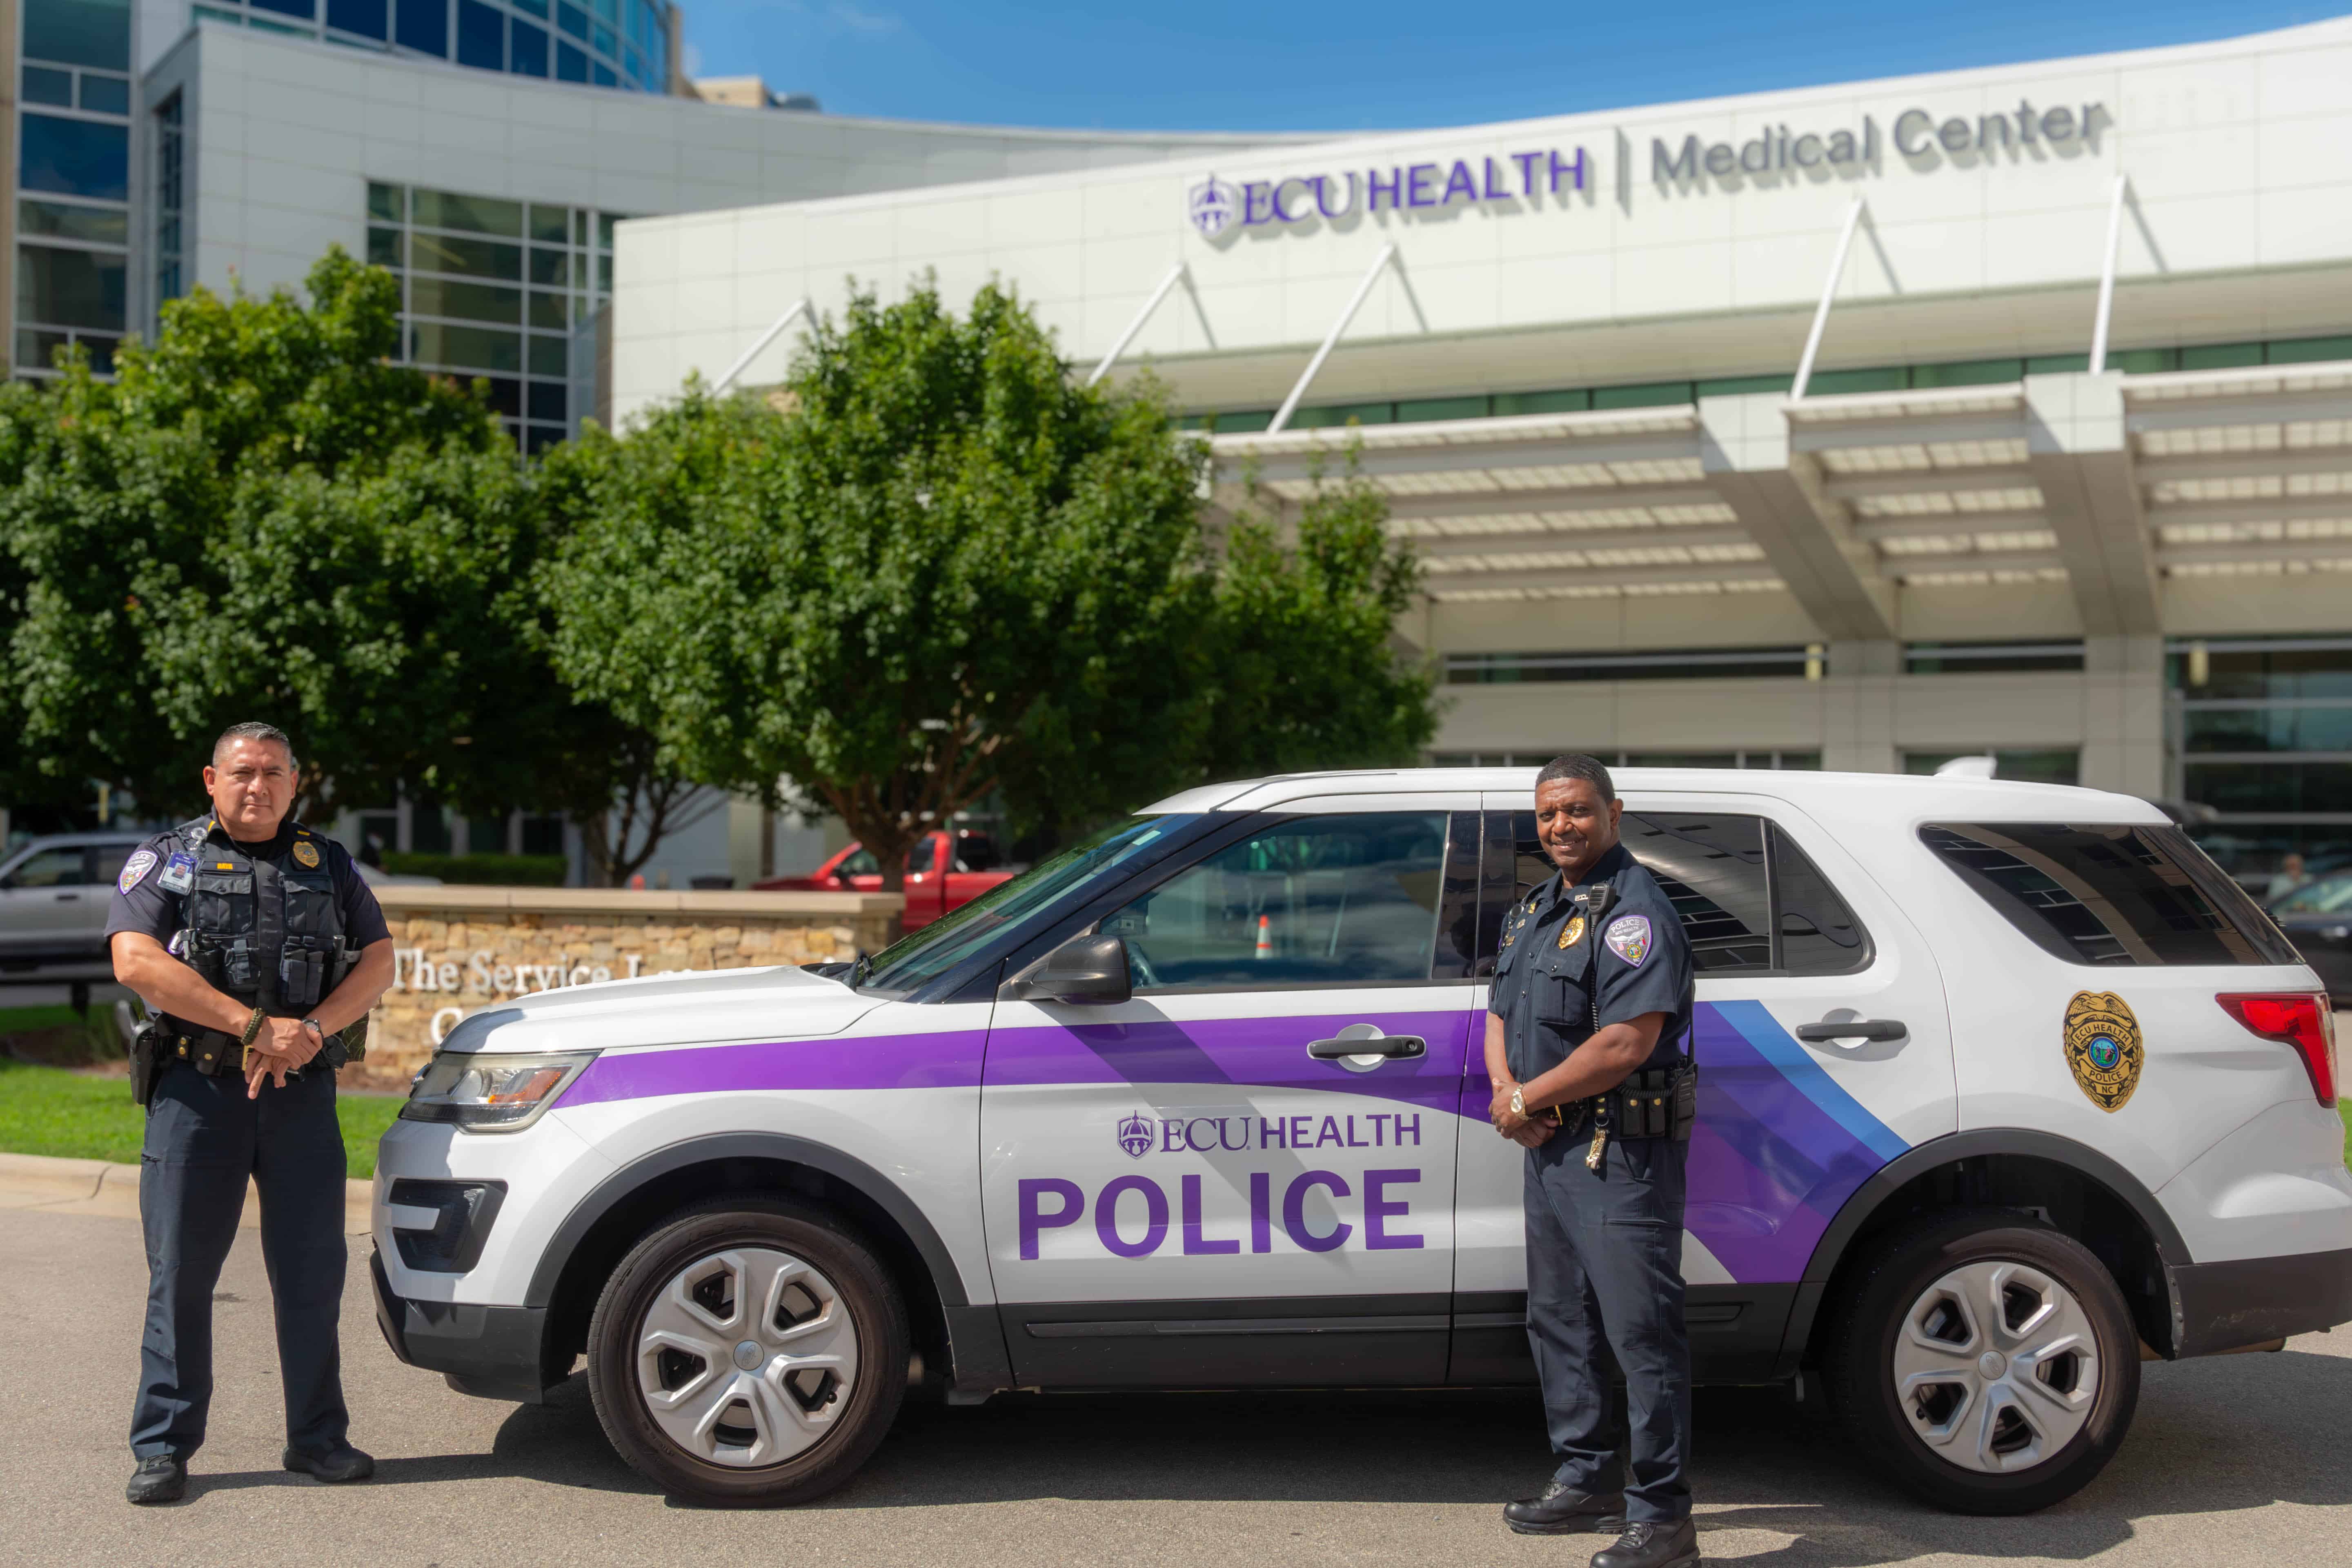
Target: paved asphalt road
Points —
{"points": [[2236, 1460]]}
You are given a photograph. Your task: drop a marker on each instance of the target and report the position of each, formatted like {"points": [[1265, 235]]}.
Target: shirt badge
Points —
{"points": [[138, 865], [1628, 938], [306, 852], [1573, 932], [179, 874]]}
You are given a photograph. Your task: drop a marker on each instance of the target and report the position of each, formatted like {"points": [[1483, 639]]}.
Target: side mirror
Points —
{"points": [[1082, 969]]}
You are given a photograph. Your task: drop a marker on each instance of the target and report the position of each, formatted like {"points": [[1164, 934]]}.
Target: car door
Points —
{"points": [[1177, 1189], [45, 901], [1792, 942]]}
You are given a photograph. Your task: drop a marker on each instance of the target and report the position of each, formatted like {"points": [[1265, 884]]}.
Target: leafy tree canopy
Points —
{"points": [[933, 568]]}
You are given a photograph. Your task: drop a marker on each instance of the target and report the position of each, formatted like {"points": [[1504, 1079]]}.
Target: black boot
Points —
{"points": [[1561, 1509], [1651, 1544], [160, 1478], [342, 1463]]}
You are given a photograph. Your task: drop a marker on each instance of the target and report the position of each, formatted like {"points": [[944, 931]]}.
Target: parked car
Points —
{"points": [[976, 865], [2003, 1087], [53, 902], [2317, 918]]}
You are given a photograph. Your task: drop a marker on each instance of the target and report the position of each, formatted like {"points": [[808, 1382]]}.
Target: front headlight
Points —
{"points": [[490, 1093]]}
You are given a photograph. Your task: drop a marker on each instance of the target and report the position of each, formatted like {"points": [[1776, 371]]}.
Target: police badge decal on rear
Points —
{"points": [[2102, 1047]]}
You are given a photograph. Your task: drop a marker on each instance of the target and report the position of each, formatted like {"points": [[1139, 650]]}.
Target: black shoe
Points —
{"points": [[1651, 1544], [342, 1463], [160, 1478], [1560, 1510]]}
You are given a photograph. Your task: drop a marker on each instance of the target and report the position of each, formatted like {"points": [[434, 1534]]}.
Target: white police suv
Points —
{"points": [[2005, 1089]]}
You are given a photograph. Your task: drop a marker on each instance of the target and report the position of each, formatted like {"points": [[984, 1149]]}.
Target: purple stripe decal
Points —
{"points": [[948, 1060], [1770, 1167]]}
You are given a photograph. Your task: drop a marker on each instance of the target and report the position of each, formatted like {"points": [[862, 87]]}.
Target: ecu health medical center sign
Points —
{"points": [[1524, 179]]}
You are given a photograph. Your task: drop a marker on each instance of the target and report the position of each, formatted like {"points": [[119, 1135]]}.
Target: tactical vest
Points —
{"points": [[268, 932]]}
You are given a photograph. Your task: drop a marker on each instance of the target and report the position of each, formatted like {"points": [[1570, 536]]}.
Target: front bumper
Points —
{"points": [[491, 1351], [2250, 1300]]}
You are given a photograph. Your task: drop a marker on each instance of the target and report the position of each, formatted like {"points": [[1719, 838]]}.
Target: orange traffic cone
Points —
{"points": [[1264, 937]]}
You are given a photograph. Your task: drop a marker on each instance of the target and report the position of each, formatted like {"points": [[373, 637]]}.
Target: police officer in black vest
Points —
{"points": [[1591, 1004], [258, 947]]}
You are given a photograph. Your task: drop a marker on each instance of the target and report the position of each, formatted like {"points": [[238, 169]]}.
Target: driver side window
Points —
{"points": [[52, 868], [1318, 900]]}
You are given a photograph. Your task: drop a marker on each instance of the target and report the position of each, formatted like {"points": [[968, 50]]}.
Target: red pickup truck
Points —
{"points": [[976, 865]]}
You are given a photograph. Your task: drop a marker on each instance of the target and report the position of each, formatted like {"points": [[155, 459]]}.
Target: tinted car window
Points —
{"points": [[1818, 934], [1316, 900], [2105, 894], [1714, 867], [62, 868]]}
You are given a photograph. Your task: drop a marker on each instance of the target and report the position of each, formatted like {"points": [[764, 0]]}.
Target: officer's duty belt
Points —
{"points": [[212, 1054]]}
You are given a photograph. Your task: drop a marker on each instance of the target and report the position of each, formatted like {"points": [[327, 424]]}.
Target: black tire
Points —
{"points": [[691, 1237], [1858, 1359]]}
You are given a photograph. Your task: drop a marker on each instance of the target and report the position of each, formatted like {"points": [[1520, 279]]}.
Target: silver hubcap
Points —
{"points": [[1996, 1366], [747, 1357]]}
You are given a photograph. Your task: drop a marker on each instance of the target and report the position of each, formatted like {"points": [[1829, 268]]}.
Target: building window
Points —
{"points": [[80, 32], [495, 288], [73, 169], [2061, 765], [1622, 759], [1986, 658], [170, 146], [487, 34], [2261, 733], [1663, 664]]}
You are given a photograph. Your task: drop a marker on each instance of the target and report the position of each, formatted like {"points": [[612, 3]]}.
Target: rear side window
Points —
{"points": [[2104, 894], [1749, 900]]}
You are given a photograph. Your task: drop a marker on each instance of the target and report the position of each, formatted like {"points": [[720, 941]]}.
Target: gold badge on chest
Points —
{"points": [[1573, 932], [2102, 1047], [306, 852]]}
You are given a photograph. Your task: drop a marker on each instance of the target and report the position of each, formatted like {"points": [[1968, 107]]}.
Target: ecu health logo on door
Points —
{"points": [[2102, 1047], [1137, 1134]]}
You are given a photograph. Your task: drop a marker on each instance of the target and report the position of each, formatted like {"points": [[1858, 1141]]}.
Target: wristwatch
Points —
{"points": [[317, 1028], [1518, 1100]]}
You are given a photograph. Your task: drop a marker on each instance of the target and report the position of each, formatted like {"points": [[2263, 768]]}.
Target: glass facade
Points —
{"points": [[1793, 759], [2261, 733], [494, 287], [603, 43], [73, 180], [171, 198]]}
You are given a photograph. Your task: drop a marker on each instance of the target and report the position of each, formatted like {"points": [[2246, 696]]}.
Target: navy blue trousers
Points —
{"points": [[1605, 1276], [203, 1139]]}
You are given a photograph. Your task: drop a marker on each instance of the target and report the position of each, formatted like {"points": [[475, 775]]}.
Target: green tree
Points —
{"points": [[936, 569]]}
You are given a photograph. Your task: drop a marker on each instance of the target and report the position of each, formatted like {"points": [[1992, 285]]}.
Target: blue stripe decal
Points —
{"points": [[1793, 1062]]}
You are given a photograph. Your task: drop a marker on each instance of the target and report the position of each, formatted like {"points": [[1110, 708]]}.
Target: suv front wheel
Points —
{"points": [[749, 1352], [1986, 1363]]}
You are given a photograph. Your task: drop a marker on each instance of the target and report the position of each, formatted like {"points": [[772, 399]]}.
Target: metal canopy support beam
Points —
{"points": [[770, 336], [1355, 303], [2107, 275], [1807, 538], [1829, 294], [2081, 453], [1135, 325]]}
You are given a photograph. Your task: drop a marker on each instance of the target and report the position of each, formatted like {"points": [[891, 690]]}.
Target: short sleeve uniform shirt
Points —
{"points": [[1560, 978]]}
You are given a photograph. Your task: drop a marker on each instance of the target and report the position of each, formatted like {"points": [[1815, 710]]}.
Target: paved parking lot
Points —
{"points": [[2237, 1460]]}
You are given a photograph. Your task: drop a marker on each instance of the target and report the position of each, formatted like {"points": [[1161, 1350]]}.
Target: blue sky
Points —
{"points": [[1308, 65]]}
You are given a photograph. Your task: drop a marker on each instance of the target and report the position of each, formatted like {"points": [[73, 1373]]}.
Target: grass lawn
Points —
{"points": [[49, 1110]]}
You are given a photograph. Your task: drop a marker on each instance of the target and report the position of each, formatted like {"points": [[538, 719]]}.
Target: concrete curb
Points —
{"points": [[107, 1191]]}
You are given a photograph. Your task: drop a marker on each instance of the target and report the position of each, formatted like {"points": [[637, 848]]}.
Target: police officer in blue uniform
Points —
{"points": [[258, 948], [1591, 1004]]}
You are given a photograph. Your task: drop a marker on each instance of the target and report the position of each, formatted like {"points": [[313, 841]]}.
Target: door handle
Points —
{"points": [[1396, 1048], [1853, 1029], [68, 898]]}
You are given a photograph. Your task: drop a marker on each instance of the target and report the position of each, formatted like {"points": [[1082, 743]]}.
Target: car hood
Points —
{"points": [[705, 1005]]}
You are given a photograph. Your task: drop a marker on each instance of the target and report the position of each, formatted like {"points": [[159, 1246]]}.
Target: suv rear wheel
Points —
{"points": [[1984, 1361], [749, 1352]]}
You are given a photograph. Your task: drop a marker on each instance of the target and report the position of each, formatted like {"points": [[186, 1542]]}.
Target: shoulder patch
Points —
{"points": [[1629, 938], [141, 862]]}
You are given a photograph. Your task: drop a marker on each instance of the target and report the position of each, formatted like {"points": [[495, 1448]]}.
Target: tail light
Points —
{"points": [[2297, 1018]]}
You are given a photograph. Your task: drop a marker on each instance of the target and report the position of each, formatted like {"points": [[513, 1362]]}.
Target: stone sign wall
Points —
{"points": [[458, 948]]}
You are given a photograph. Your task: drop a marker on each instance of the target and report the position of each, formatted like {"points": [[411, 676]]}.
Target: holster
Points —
{"points": [[1661, 1103], [146, 1062]]}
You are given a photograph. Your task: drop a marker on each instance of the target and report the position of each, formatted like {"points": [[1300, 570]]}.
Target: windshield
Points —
{"points": [[2328, 896], [923, 955]]}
